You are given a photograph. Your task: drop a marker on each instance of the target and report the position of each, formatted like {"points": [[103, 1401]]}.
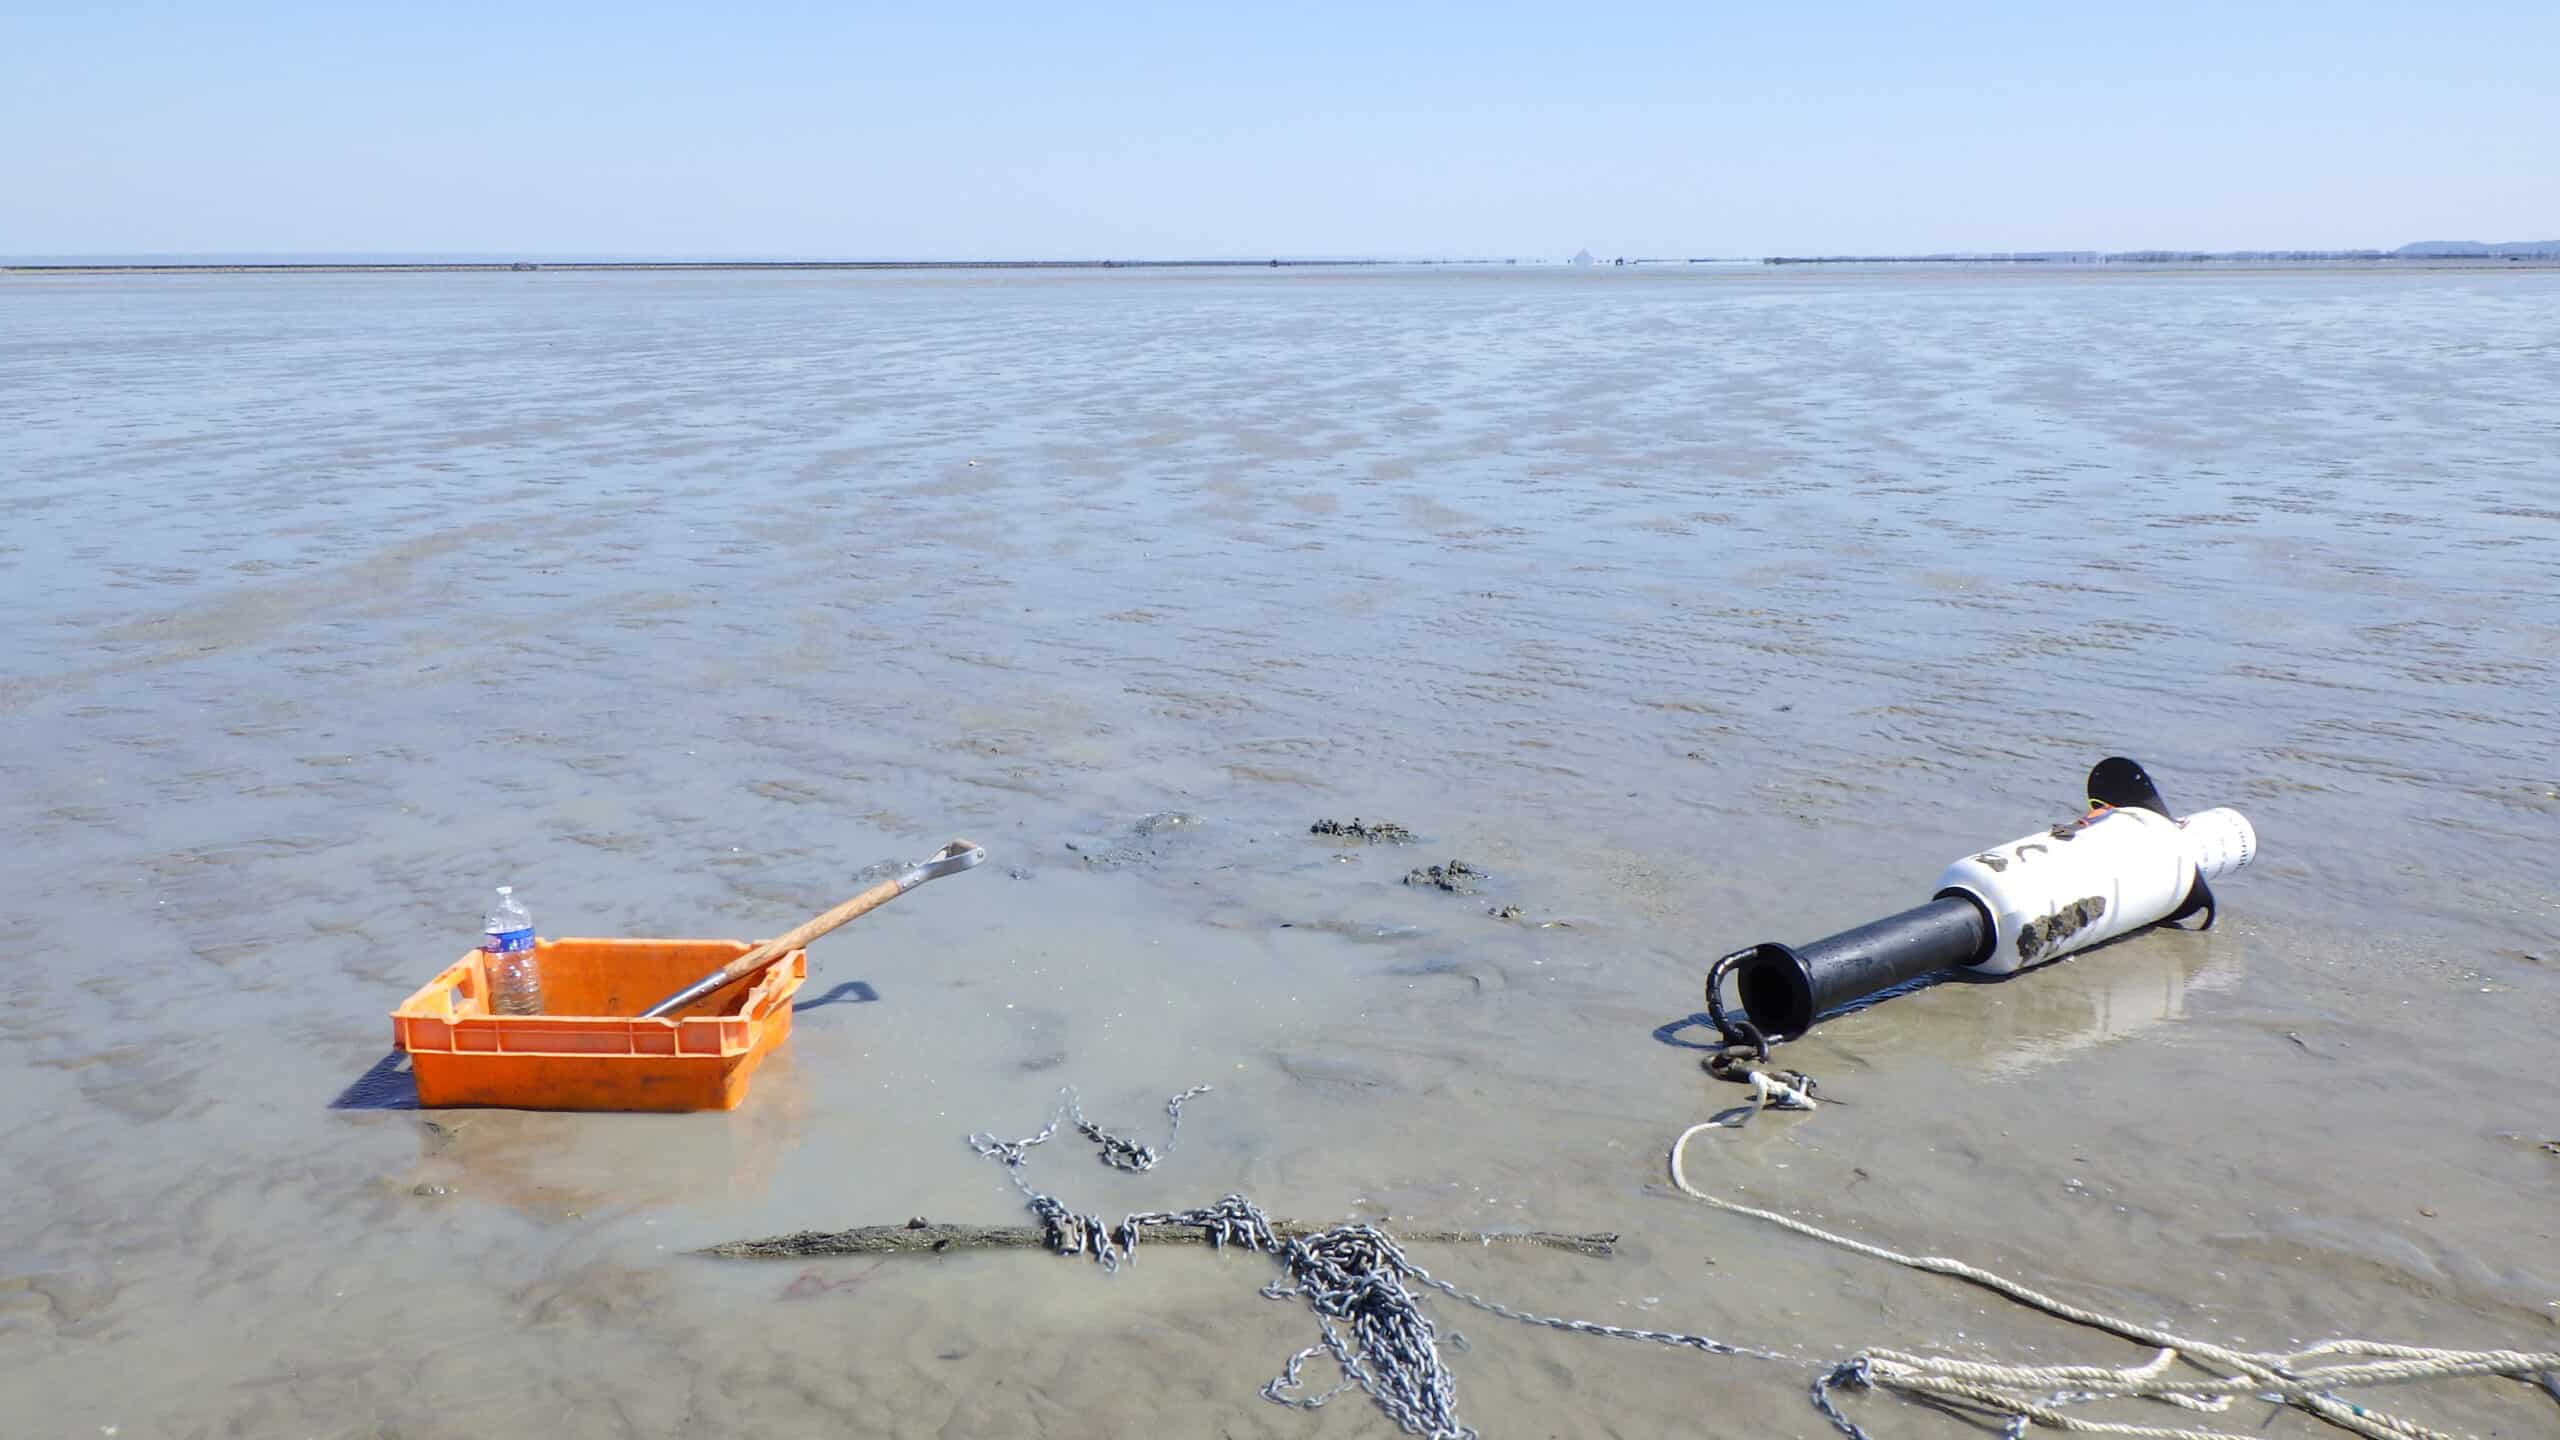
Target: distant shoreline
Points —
{"points": [[2169, 261], [507, 267], [2084, 263]]}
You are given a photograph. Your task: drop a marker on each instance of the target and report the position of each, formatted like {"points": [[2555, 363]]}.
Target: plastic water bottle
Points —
{"points": [[507, 954]]}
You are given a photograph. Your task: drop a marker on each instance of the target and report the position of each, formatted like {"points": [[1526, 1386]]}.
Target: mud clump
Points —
{"points": [[1505, 912], [2042, 935], [1381, 832], [1457, 877]]}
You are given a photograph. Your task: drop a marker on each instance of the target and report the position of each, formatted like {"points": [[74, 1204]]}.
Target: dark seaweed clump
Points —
{"points": [[1381, 832], [1457, 877]]}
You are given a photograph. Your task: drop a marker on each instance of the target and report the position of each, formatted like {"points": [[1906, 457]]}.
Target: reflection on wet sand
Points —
{"points": [[2114, 992], [551, 1165]]}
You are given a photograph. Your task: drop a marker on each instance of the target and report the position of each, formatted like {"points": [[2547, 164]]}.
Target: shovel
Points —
{"points": [[951, 859]]}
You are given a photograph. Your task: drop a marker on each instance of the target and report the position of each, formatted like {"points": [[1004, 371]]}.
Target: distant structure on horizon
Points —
{"points": [[1583, 257], [2511, 250], [2484, 250]]}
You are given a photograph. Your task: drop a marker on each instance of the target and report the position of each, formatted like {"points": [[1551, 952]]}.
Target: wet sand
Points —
{"points": [[1692, 609]]}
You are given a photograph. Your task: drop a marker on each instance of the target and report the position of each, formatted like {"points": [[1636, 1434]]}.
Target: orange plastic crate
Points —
{"points": [[588, 1049]]}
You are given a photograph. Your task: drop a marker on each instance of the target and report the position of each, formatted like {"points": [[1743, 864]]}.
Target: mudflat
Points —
{"points": [[1686, 610]]}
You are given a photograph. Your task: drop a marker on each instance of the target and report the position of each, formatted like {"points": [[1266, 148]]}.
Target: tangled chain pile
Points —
{"points": [[1353, 1275]]}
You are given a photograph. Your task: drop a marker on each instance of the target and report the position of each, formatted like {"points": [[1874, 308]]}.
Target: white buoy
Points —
{"points": [[2125, 864]]}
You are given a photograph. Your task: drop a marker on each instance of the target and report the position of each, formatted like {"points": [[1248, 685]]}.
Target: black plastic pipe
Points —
{"points": [[1784, 987]]}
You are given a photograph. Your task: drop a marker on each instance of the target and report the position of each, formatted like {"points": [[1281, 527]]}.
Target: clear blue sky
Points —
{"points": [[1288, 128]]}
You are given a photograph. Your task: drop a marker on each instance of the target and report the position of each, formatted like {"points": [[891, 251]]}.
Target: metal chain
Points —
{"points": [[1355, 1277], [1064, 1231], [1744, 1055], [1739, 1035], [1352, 1275], [1852, 1372], [1120, 1154], [1673, 1338]]}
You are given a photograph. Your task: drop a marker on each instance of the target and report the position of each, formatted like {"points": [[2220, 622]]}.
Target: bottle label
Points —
{"points": [[508, 942]]}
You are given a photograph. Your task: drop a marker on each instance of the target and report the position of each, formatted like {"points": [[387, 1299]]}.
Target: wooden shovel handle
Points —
{"points": [[810, 929], [951, 859]]}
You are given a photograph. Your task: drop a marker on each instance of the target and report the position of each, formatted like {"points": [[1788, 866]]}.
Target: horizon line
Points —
{"points": [[599, 259], [396, 262]]}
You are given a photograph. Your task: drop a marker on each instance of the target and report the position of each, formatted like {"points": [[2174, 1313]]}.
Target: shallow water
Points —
{"points": [[1696, 609]]}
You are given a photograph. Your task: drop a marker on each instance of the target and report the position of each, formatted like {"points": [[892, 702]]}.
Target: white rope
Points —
{"points": [[1768, 1092], [2034, 1395]]}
